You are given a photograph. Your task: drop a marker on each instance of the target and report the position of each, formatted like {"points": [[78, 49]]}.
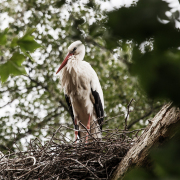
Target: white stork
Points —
{"points": [[83, 92]]}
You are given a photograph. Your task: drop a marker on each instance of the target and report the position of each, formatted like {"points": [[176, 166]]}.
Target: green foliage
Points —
{"points": [[37, 99], [157, 65], [155, 61], [60, 3], [140, 22], [139, 174], [165, 163], [27, 42], [126, 47], [3, 37], [12, 66], [159, 73]]}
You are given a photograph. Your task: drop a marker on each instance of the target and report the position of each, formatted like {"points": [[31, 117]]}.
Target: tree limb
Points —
{"points": [[144, 116], [159, 128], [128, 111]]}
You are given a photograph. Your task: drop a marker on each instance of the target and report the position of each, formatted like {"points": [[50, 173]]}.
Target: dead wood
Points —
{"points": [[61, 159], [160, 127]]}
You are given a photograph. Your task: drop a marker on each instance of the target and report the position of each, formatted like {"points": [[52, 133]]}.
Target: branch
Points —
{"points": [[146, 115], [128, 111], [87, 130], [49, 143], [160, 127], [7, 103]]}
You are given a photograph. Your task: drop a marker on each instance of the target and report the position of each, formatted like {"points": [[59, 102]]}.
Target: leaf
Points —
{"points": [[90, 4], [95, 30], [30, 31], [3, 38], [159, 73], [12, 66], [27, 42], [59, 3], [139, 22], [14, 42]]}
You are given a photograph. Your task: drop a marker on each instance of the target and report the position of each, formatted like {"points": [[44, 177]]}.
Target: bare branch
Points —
{"points": [[128, 111], [144, 116]]}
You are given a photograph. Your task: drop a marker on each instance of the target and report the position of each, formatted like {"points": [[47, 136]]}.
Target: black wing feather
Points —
{"points": [[98, 107], [68, 101], [70, 107]]}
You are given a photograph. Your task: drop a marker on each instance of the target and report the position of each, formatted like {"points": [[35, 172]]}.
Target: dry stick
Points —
{"points": [[111, 118], [86, 136], [87, 131], [39, 141], [71, 128], [32, 145], [49, 143], [84, 166], [122, 131], [128, 111], [29, 171], [8, 160], [116, 130], [16, 170], [142, 117], [106, 120], [43, 168], [29, 157], [98, 126], [100, 161], [65, 137], [90, 160]]}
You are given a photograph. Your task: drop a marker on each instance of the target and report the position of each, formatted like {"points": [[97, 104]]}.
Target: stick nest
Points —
{"points": [[62, 158], [68, 160]]}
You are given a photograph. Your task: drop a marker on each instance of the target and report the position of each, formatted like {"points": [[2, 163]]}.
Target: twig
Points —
{"points": [[100, 161], [30, 171], [144, 116], [128, 111], [87, 131], [49, 143], [7, 103], [85, 167]]}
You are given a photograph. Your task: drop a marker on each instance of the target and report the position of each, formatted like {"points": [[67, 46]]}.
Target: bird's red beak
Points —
{"points": [[64, 62]]}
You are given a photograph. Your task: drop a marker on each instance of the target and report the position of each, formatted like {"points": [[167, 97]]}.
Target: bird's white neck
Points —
{"points": [[72, 64], [80, 53], [80, 56]]}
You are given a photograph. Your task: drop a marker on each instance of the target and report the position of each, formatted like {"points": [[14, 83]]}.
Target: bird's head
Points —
{"points": [[75, 49]]}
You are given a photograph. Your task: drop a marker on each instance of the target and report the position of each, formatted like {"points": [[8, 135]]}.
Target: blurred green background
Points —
{"points": [[134, 49]]}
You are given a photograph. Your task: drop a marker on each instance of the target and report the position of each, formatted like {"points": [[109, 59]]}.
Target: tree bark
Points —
{"points": [[161, 126]]}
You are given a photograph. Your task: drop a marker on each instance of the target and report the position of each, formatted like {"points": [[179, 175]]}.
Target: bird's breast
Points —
{"points": [[75, 81]]}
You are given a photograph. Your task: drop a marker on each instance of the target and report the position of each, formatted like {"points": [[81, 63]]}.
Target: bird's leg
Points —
{"points": [[76, 130], [88, 127]]}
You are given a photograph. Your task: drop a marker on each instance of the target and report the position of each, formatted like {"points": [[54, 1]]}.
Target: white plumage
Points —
{"points": [[80, 81]]}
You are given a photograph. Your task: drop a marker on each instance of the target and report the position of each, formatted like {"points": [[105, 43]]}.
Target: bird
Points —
{"points": [[83, 93]]}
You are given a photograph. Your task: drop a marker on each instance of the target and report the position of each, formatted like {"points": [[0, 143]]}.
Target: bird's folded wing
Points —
{"points": [[68, 101], [96, 100]]}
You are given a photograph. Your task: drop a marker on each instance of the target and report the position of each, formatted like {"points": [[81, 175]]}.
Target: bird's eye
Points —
{"points": [[74, 49]]}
